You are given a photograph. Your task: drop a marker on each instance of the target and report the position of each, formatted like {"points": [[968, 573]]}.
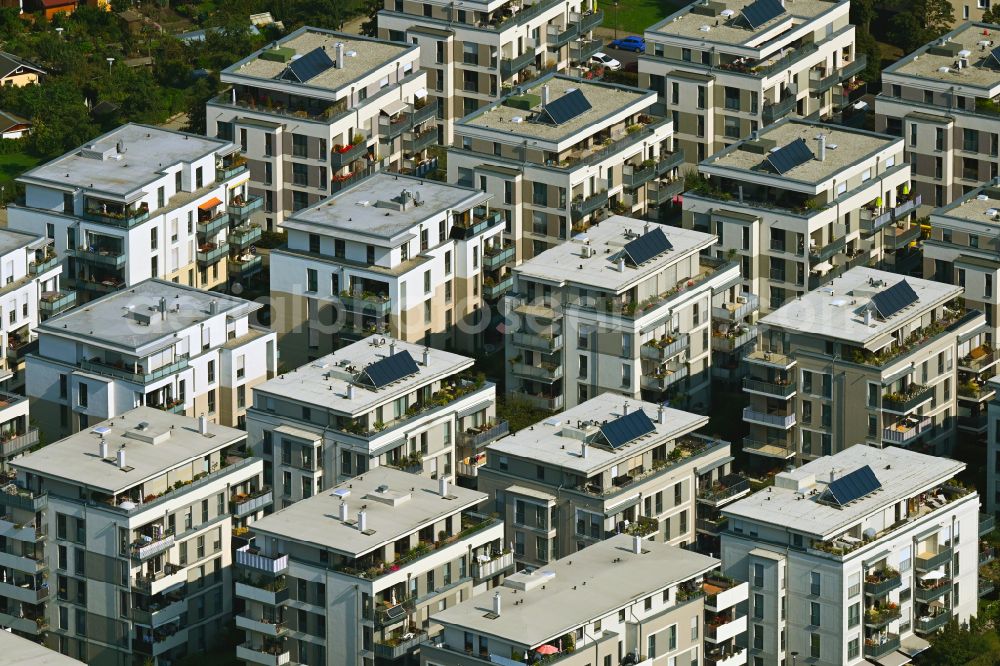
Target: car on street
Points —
{"points": [[630, 43], [605, 60]]}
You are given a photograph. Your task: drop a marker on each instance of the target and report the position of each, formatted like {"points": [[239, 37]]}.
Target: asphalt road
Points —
{"points": [[624, 57]]}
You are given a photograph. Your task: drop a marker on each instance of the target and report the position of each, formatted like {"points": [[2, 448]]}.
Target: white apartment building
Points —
{"points": [[852, 558], [558, 152], [481, 49], [624, 307], [157, 343], [728, 68], [375, 402], [605, 467], [365, 565], [413, 259], [944, 100], [872, 357], [318, 110], [117, 544], [801, 202], [118, 219], [612, 603]]}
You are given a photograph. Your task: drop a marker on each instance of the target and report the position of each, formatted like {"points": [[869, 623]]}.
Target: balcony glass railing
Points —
{"points": [[134, 372]]}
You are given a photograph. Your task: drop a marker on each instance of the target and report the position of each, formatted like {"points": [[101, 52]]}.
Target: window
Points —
{"points": [[814, 646], [814, 583], [758, 606], [82, 399], [854, 614], [732, 98], [758, 574], [626, 375], [300, 145], [312, 280], [814, 613]]}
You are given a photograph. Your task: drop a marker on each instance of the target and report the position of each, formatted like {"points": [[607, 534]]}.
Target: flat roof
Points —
{"points": [[11, 240], [845, 147], [565, 263], [97, 165], [21, 651], [980, 206], [324, 382], [375, 206], [557, 440], [605, 100], [836, 310], [165, 442], [396, 504], [735, 31], [901, 472], [361, 56], [587, 585], [927, 61], [130, 318]]}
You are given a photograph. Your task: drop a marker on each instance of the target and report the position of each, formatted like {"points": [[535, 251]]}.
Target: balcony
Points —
{"points": [[664, 378], [877, 617], [25, 625], [245, 505], [584, 206], [927, 594], [252, 558], [14, 497], [494, 290], [978, 359], [111, 257], [711, 526], [406, 121], [262, 589], [782, 421], [774, 111], [124, 220], [265, 654], [827, 251], [104, 286], [482, 220], [986, 587], [905, 402], [52, 303], [876, 648], [895, 239], [905, 208], [929, 561], [241, 208], [541, 342], [882, 582], [146, 547], [987, 521], [212, 225], [398, 648], [498, 256], [547, 372], [15, 444], [724, 490], [581, 49], [557, 36], [49, 262], [342, 156], [414, 142], [770, 359], [784, 390], [511, 66], [720, 630], [231, 171], [745, 306], [665, 348], [726, 656], [211, 253], [906, 430], [244, 268], [772, 449], [264, 626], [872, 220], [243, 236], [24, 592], [476, 440], [366, 303], [722, 592], [538, 401], [931, 623], [660, 191], [731, 343], [133, 372], [481, 570]]}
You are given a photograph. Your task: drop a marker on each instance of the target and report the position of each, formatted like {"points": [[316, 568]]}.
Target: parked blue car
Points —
{"points": [[631, 43]]}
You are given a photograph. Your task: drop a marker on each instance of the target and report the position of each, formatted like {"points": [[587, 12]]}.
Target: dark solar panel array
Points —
{"points": [[565, 108], [995, 53], [853, 486], [760, 12], [391, 369], [627, 428], [647, 246], [790, 156], [308, 66], [894, 299]]}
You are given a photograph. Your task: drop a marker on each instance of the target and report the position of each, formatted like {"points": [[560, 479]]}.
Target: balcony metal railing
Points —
{"points": [[414, 142], [581, 49], [343, 157], [659, 350], [987, 521], [728, 487], [366, 303], [147, 547], [928, 562], [876, 648], [53, 302], [785, 390], [927, 625], [827, 251], [662, 380], [18, 443], [915, 396], [246, 267], [253, 503], [481, 221], [771, 449], [558, 36], [583, 206], [548, 403], [905, 431], [479, 439], [896, 241], [254, 559], [511, 66], [548, 373], [777, 110], [883, 586], [739, 311], [730, 344], [928, 594], [134, 375], [590, 21], [225, 173], [114, 258], [782, 421], [906, 207], [660, 192], [872, 221], [540, 342], [243, 209], [125, 220]]}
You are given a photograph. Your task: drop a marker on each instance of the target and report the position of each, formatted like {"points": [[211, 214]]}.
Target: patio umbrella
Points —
{"points": [[933, 575], [937, 603], [546, 649]]}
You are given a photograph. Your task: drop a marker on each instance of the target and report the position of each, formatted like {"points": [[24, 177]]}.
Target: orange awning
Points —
{"points": [[211, 203]]}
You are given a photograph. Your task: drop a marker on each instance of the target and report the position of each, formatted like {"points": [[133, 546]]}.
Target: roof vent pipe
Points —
{"points": [[392, 348], [621, 264], [625, 408], [203, 424], [121, 457], [362, 521], [350, 391], [343, 512], [822, 147], [545, 95], [661, 415], [340, 55], [496, 603], [637, 545], [427, 356], [102, 448], [443, 486], [868, 317], [583, 449]]}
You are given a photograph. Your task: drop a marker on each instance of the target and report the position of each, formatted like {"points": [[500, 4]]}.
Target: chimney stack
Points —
{"points": [[163, 307], [443, 486], [645, 228], [340, 56], [392, 348], [121, 457], [203, 425], [362, 521], [822, 147], [625, 408], [637, 545], [868, 316], [350, 391], [427, 356], [583, 449], [213, 307], [660, 415], [621, 265], [833, 475], [496, 603], [545, 95], [102, 448], [343, 512]]}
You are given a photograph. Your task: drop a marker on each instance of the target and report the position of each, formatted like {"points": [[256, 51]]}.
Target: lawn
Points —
{"points": [[13, 165], [634, 16]]}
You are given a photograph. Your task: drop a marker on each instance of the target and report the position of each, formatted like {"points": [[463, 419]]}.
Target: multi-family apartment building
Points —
{"points": [[873, 357], [962, 249], [726, 69], [853, 558], [375, 402], [318, 110], [625, 307], [608, 466], [614, 602], [417, 260], [479, 50], [116, 218], [557, 153], [992, 493], [942, 99], [157, 343], [801, 202], [117, 539], [366, 564]]}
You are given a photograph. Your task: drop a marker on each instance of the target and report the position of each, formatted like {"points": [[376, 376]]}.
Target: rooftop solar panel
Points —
{"points": [[894, 299], [760, 12], [853, 486], [391, 369], [565, 108], [789, 156], [995, 54], [308, 66], [627, 428], [647, 246]]}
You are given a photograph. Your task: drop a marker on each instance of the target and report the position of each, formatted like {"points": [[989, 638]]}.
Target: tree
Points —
{"points": [[371, 9], [991, 15], [919, 22]]}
